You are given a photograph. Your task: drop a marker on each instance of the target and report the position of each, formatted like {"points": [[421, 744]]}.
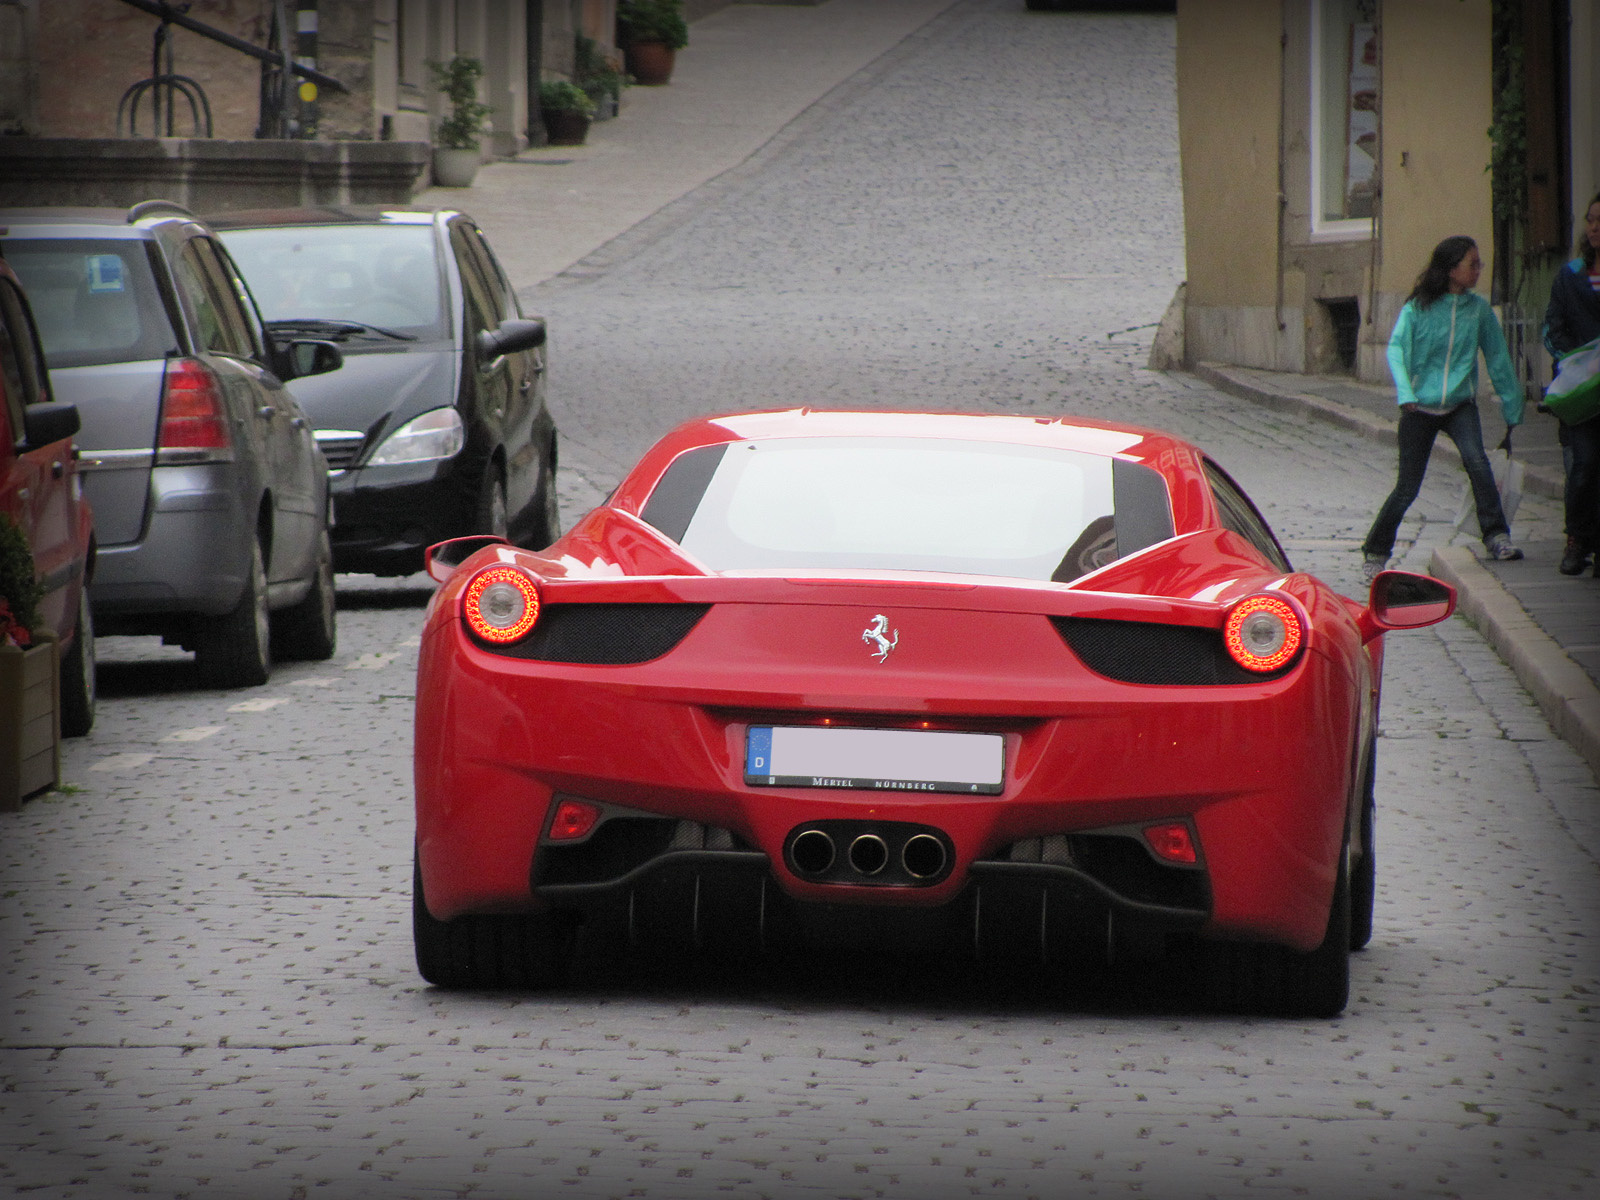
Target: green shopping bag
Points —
{"points": [[1574, 394]]}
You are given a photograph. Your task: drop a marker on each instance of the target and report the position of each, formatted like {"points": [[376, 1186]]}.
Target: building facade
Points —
{"points": [[1328, 145]]}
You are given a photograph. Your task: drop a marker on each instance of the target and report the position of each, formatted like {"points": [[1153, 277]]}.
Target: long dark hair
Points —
{"points": [[1585, 251], [1435, 278]]}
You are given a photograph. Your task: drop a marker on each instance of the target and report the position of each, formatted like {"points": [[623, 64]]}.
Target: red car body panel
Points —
{"points": [[1267, 772]]}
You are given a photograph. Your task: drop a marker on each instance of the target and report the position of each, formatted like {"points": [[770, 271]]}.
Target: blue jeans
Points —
{"points": [[1580, 454], [1418, 428]]}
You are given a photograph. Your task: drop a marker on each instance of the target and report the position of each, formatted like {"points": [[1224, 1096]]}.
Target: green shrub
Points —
{"points": [[458, 80], [557, 95], [652, 21], [19, 586]]}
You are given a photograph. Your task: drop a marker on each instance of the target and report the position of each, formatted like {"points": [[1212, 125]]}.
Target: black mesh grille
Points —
{"points": [[1143, 652], [606, 633]]}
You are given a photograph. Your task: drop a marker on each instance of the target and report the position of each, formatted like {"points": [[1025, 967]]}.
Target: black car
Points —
{"points": [[210, 496], [437, 426]]}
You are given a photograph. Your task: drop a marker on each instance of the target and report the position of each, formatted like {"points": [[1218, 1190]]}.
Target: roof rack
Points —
{"points": [[147, 208]]}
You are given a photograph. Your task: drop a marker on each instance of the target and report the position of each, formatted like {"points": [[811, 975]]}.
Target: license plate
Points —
{"points": [[891, 760]]}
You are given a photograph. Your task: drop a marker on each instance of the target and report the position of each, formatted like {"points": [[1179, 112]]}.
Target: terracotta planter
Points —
{"points": [[30, 722], [455, 168], [650, 63], [565, 128]]}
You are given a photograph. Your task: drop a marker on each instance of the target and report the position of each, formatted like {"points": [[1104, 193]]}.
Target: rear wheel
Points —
{"points": [[309, 630], [77, 674], [525, 950], [235, 649], [1256, 977], [1364, 876], [549, 527], [491, 514]]}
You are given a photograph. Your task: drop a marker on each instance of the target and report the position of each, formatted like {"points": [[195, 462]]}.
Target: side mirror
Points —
{"points": [[309, 357], [513, 336], [442, 558], [49, 422], [1401, 600]]}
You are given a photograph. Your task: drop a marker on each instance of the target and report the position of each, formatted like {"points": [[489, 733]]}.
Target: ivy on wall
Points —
{"points": [[1508, 136]]}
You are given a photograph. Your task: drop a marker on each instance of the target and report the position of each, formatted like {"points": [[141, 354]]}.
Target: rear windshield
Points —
{"points": [[381, 275], [910, 504], [95, 300]]}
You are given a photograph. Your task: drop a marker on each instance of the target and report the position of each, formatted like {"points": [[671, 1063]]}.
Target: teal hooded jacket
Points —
{"points": [[1433, 355]]}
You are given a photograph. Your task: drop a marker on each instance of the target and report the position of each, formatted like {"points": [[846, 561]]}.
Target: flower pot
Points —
{"points": [[455, 168], [650, 63], [565, 128], [30, 723]]}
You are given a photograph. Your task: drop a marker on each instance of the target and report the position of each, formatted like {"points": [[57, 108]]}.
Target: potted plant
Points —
{"points": [[651, 33], [30, 731], [456, 153], [598, 76], [566, 110]]}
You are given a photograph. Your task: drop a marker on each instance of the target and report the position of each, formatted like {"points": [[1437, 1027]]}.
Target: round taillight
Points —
{"points": [[500, 605], [1263, 633]]}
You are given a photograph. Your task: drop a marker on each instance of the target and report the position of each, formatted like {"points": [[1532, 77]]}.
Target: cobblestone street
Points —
{"points": [[209, 990]]}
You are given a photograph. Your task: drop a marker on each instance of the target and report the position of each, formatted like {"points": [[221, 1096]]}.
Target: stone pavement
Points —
{"points": [[1544, 624]]}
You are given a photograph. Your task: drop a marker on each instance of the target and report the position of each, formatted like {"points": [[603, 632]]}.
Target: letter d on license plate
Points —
{"points": [[897, 760]]}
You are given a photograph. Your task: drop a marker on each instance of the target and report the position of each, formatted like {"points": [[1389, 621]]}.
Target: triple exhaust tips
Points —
{"points": [[888, 854]]}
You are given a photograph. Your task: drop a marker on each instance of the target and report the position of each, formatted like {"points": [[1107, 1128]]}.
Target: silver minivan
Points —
{"points": [[210, 495]]}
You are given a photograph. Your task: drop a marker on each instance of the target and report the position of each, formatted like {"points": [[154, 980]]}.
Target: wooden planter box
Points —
{"points": [[30, 722]]}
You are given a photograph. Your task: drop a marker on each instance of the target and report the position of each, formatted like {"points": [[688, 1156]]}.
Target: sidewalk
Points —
{"points": [[1545, 625]]}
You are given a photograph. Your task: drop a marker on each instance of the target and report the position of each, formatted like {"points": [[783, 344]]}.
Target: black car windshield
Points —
{"points": [[912, 504], [95, 299], [363, 281]]}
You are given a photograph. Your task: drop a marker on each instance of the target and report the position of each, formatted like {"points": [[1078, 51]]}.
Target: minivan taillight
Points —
{"points": [[194, 421]]}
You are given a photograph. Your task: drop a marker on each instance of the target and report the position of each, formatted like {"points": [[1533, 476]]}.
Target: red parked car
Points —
{"points": [[1041, 688], [41, 492]]}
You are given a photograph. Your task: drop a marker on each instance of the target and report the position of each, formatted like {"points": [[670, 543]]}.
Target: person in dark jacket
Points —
{"points": [[1573, 318]]}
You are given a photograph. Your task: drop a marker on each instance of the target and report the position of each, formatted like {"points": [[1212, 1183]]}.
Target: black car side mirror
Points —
{"points": [[305, 356], [1401, 600], [513, 336], [48, 422]]}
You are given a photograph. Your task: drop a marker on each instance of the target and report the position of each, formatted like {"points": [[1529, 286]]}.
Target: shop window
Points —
{"points": [[1344, 116]]}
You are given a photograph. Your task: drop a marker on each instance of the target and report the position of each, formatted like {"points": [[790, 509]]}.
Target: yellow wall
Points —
{"points": [[1228, 76], [1437, 107]]}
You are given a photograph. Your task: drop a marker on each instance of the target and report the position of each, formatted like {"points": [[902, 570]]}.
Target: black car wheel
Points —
{"points": [[77, 674], [1257, 977], [1364, 878], [549, 527], [514, 950], [491, 514], [235, 649], [309, 630]]}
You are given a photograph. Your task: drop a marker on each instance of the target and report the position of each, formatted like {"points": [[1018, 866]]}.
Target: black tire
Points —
{"points": [[511, 951], [491, 512], [309, 630], [78, 674], [1260, 978], [1364, 876], [235, 649], [549, 527]]}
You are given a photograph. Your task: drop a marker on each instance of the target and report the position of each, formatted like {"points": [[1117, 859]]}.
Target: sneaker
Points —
{"points": [[1574, 559], [1500, 548], [1372, 564]]}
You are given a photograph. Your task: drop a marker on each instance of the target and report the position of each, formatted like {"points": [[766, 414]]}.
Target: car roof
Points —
{"points": [[136, 222], [1083, 434], [346, 214]]}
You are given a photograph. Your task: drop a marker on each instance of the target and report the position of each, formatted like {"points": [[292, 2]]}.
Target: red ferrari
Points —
{"points": [[1041, 689]]}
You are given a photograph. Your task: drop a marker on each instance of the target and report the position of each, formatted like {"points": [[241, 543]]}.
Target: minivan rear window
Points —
{"points": [[95, 299]]}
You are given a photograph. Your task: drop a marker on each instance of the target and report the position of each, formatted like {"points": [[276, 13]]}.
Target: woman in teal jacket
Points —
{"points": [[1433, 356]]}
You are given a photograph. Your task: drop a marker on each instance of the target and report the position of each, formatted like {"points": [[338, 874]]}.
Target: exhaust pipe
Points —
{"points": [[812, 852], [869, 854], [922, 856]]}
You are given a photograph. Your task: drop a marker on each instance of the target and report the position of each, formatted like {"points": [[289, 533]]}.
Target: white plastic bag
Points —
{"points": [[1508, 473]]}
